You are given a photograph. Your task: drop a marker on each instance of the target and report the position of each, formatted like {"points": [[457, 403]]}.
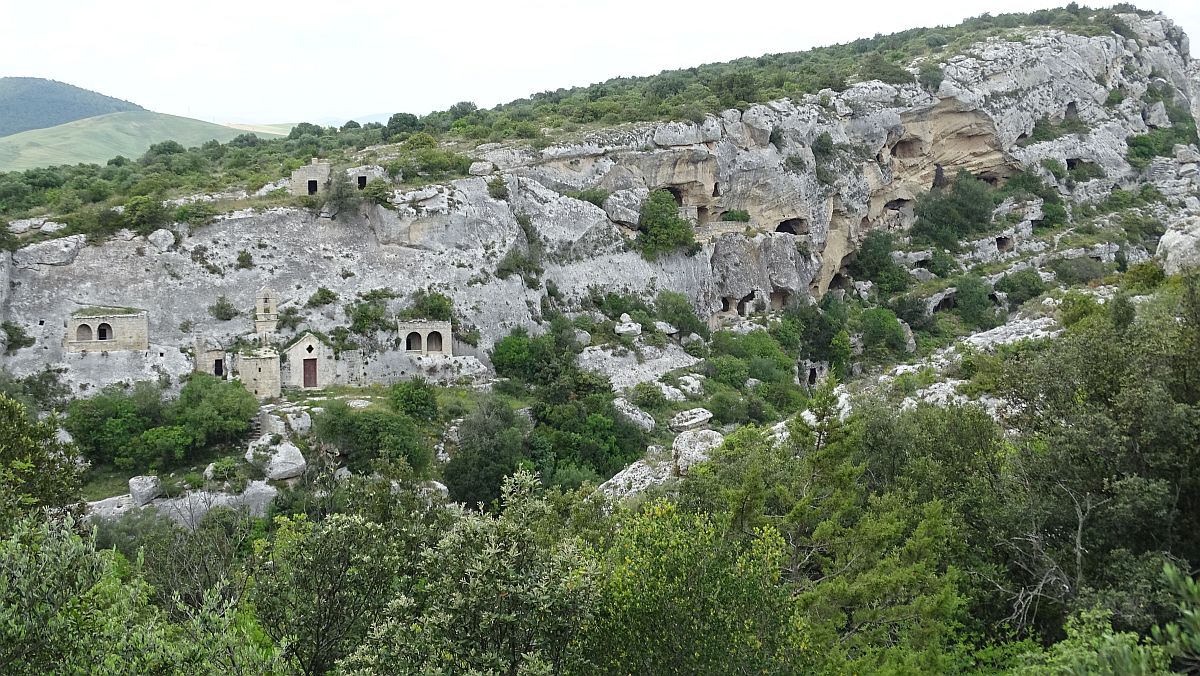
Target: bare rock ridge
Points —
{"points": [[814, 175]]}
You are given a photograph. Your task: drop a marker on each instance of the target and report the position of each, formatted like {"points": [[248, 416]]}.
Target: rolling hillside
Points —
{"points": [[98, 139], [36, 103]]}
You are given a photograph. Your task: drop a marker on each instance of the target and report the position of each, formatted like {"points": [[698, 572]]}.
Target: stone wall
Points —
{"points": [[260, 373], [426, 337], [317, 171], [308, 347], [107, 332]]}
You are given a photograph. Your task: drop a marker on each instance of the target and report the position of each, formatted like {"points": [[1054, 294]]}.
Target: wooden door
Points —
{"points": [[310, 372]]}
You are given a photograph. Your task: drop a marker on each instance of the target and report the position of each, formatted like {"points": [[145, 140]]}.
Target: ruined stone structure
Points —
{"points": [[210, 357], [266, 311], [259, 372], [310, 179], [104, 332], [426, 337], [310, 364]]}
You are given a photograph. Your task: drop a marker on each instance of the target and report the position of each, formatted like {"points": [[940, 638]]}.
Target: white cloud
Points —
{"points": [[227, 60]]}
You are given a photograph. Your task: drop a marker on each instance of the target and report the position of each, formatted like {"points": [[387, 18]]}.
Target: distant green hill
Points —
{"points": [[99, 139], [35, 103]]}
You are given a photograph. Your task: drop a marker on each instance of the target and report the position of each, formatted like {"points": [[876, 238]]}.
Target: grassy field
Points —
{"points": [[98, 139], [264, 129]]}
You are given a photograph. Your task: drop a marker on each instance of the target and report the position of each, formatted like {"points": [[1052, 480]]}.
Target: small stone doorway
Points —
{"points": [[310, 372], [312, 187], [219, 367]]}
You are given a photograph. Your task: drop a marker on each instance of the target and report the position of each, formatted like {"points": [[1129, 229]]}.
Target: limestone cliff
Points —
{"points": [[810, 201]]}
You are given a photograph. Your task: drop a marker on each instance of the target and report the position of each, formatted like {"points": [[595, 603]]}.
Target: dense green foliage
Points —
{"points": [[663, 230], [136, 428], [1161, 142], [34, 103], [874, 263]]}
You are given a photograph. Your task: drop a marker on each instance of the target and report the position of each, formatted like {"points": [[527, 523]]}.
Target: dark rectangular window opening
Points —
{"points": [[219, 367], [312, 187], [362, 182]]}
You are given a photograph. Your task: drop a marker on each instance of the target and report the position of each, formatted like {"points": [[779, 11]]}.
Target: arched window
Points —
{"points": [[434, 342], [84, 332], [104, 332], [413, 342]]}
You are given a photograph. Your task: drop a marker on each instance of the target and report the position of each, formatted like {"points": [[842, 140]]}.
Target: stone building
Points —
{"points": [[361, 176], [310, 179], [426, 336], [259, 372], [210, 358], [266, 311], [309, 363], [99, 330]]}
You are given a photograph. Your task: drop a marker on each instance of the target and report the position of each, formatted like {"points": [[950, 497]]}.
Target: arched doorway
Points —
{"points": [[84, 332], [413, 342], [104, 332], [433, 343]]}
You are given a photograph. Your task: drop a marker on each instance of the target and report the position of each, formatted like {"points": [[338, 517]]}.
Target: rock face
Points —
{"points": [[692, 447], [691, 419], [634, 414], [284, 461], [890, 143], [143, 489], [1178, 248]]}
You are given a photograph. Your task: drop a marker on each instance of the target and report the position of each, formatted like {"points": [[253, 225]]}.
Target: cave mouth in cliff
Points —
{"points": [[839, 281], [362, 182], [743, 306], [898, 204], [676, 193], [1072, 111], [946, 303], [1073, 163], [779, 299], [1004, 244], [716, 190], [728, 303], [795, 226], [908, 148], [812, 376], [703, 215]]}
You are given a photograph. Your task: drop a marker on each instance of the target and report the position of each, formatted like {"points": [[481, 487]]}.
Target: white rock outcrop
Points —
{"points": [[143, 489], [279, 462], [691, 419]]}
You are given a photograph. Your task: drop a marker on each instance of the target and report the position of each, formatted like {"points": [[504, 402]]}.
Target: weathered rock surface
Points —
{"points": [[691, 419], [634, 414], [692, 447], [143, 489], [1179, 247], [282, 461]]}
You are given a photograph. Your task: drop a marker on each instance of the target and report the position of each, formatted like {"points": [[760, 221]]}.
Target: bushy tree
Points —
{"points": [[662, 229], [491, 446], [37, 470], [874, 263], [416, 398], [945, 215]]}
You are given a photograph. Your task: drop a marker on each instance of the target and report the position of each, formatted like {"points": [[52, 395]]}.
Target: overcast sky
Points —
{"points": [[252, 61]]}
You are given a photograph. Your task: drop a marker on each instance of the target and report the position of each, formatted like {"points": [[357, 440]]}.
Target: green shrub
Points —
{"points": [[649, 396], [874, 263], [224, 469], [322, 296], [881, 331], [727, 408], [1115, 97], [1075, 307], [1021, 286], [416, 398], [973, 303], [596, 196], [729, 370], [429, 305], [378, 191], [1072, 271], [223, 309], [289, 318], [931, 76], [244, 260], [17, 337], [946, 215], [497, 188], [1055, 168], [662, 229], [675, 309], [1143, 277], [736, 215]]}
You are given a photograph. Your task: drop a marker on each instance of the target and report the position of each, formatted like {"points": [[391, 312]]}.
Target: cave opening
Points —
{"points": [[1004, 244], [795, 226], [743, 306], [1073, 163], [676, 193], [779, 299], [939, 177], [728, 303], [812, 376], [1072, 112], [839, 281], [946, 303], [908, 148], [716, 190]]}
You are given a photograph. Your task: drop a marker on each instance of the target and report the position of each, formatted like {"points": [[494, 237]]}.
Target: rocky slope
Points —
{"points": [[809, 206]]}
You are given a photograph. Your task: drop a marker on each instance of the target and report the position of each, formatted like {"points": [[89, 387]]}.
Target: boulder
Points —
{"points": [[692, 447], [1156, 115], [663, 327], [1178, 246], [162, 239], [691, 339], [482, 168], [583, 337], [300, 422], [625, 206], [634, 414], [55, 252], [284, 461], [628, 329], [691, 419], [143, 489], [692, 385]]}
